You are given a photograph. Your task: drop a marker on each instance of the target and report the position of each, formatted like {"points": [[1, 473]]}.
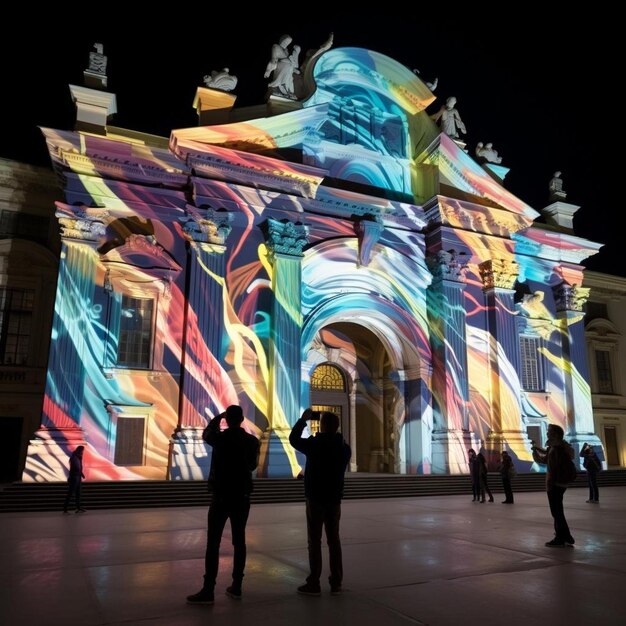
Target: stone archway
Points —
{"points": [[358, 386]]}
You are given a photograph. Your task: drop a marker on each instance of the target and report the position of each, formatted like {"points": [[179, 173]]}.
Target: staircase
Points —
{"points": [[163, 493]]}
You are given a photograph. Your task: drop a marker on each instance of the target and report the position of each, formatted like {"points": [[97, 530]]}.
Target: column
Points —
{"points": [[498, 277], [204, 342], [450, 387], [570, 300], [69, 359], [285, 241]]}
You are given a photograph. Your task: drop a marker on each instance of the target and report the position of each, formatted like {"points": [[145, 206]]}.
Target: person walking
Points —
{"points": [[506, 472], [74, 480], [235, 457], [592, 464], [327, 456], [557, 454]]}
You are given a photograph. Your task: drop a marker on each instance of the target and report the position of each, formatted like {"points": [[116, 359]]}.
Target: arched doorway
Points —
{"points": [[351, 374], [329, 392]]}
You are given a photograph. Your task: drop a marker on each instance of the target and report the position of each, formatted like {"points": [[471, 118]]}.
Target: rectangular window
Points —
{"points": [[135, 340], [531, 366], [603, 369], [24, 225], [16, 316], [129, 440], [596, 310], [611, 446]]}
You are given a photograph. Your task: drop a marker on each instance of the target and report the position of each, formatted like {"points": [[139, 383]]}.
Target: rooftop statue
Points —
{"points": [[451, 121], [556, 187], [487, 153], [97, 60], [432, 86], [222, 80], [282, 66]]}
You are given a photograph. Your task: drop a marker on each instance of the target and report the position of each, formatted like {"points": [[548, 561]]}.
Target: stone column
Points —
{"points": [[60, 430], [450, 387], [570, 300], [498, 277], [203, 342], [285, 241]]}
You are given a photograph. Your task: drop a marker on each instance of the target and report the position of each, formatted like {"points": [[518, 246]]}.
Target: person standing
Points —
{"points": [[506, 471], [235, 457], [327, 456], [74, 480], [482, 473], [555, 456], [592, 464], [474, 469]]}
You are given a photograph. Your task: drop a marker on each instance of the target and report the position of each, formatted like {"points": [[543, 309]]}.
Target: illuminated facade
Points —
{"points": [[341, 253]]}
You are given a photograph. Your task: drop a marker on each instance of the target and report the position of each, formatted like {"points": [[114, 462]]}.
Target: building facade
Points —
{"points": [[606, 348], [29, 252], [335, 250]]}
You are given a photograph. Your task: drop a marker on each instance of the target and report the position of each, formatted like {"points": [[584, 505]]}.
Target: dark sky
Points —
{"points": [[532, 84]]}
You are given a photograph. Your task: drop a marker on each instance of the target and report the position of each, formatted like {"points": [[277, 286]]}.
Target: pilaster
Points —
{"points": [[449, 378], [570, 300], [204, 341], [498, 277], [285, 242]]}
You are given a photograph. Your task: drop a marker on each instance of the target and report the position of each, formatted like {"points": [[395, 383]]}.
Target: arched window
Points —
{"points": [[327, 378]]}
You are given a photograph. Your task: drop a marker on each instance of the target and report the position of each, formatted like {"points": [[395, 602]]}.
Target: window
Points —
{"points": [[531, 366], [596, 310], [135, 339], [129, 440], [604, 372], [328, 378], [24, 225], [16, 316]]}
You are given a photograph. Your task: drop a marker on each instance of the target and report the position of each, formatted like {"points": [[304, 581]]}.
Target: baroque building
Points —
{"points": [[334, 250]]}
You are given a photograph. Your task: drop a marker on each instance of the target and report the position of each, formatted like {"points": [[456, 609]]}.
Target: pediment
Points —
{"points": [[457, 170]]}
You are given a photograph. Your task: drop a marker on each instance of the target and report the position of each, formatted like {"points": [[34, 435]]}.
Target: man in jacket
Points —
{"points": [[556, 455], [327, 456], [235, 457]]}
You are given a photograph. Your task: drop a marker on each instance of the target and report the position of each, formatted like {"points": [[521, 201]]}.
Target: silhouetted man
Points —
{"points": [[235, 457], [327, 456], [556, 456], [74, 480]]}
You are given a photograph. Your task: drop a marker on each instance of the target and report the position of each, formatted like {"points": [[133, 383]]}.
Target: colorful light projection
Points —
{"points": [[269, 272]]}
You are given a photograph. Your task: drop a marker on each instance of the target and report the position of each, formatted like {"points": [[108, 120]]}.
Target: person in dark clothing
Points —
{"points": [[592, 465], [474, 469], [482, 473], [327, 456], [74, 480], [557, 453], [506, 471], [235, 457]]}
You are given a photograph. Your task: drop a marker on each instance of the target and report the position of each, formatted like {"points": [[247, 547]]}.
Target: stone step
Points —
{"points": [[145, 494]]}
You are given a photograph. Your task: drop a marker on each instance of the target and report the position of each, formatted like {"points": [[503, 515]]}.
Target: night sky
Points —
{"points": [[535, 88]]}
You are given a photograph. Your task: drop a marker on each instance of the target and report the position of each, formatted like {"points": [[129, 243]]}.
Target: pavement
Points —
{"points": [[438, 560]]}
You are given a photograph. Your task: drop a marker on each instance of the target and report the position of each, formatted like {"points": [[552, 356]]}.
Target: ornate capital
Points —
{"points": [[368, 233], [498, 274], [448, 266], [285, 237], [85, 229], [208, 226], [570, 297]]}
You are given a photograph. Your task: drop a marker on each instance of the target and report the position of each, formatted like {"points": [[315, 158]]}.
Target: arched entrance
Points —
{"points": [[351, 375], [329, 392]]}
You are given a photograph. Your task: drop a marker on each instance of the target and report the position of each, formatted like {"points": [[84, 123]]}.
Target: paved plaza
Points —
{"points": [[429, 560]]}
